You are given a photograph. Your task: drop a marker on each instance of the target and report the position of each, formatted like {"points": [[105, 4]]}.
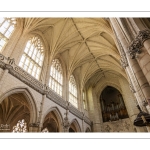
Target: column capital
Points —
{"points": [[137, 43], [143, 35], [34, 125], [123, 61], [135, 47]]}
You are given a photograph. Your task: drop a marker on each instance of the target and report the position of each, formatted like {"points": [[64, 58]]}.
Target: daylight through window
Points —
{"points": [[32, 59], [7, 26], [56, 78], [72, 91]]}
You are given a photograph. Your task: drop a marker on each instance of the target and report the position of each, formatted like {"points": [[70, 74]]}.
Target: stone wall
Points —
{"points": [[123, 125]]}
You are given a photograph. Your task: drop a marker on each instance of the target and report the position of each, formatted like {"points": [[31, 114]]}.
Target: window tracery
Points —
{"points": [[32, 58], [73, 91], [7, 26], [56, 78]]}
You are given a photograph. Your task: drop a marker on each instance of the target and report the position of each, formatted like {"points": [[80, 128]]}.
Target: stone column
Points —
{"points": [[133, 83], [91, 109], [41, 113], [83, 130], [132, 62], [144, 38], [80, 96], [66, 87], [66, 123], [136, 50]]}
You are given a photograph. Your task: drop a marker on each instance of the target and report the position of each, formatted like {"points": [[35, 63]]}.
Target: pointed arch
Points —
{"points": [[56, 77], [58, 117], [29, 97], [74, 125], [33, 57], [109, 84], [43, 40], [46, 51], [112, 105]]}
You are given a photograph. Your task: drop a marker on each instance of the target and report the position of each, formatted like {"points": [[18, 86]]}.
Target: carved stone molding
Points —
{"points": [[144, 35], [134, 48], [66, 124], [19, 73], [34, 125], [123, 61], [132, 88], [123, 125], [145, 103], [1, 57], [137, 43]]}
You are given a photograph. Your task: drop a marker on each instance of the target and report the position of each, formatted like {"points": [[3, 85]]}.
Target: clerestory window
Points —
{"points": [[32, 58], [56, 77], [7, 26], [73, 91]]}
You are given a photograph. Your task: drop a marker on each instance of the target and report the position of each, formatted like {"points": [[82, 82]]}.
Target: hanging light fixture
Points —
{"points": [[142, 119]]}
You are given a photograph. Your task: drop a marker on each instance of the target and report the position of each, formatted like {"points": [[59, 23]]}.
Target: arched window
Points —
{"points": [[56, 78], [73, 91], [7, 26], [32, 58]]}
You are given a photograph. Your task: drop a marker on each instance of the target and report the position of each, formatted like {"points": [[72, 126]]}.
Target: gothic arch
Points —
{"points": [[109, 84], [112, 104], [63, 66], [43, 40], [29, 97], [58, 119], [75, 125]]}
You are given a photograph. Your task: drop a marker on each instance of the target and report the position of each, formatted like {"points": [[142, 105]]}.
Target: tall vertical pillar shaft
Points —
{"points": [[132, 62]]}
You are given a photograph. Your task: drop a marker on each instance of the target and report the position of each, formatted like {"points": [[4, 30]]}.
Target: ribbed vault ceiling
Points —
{"points": [[86, 45]]}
